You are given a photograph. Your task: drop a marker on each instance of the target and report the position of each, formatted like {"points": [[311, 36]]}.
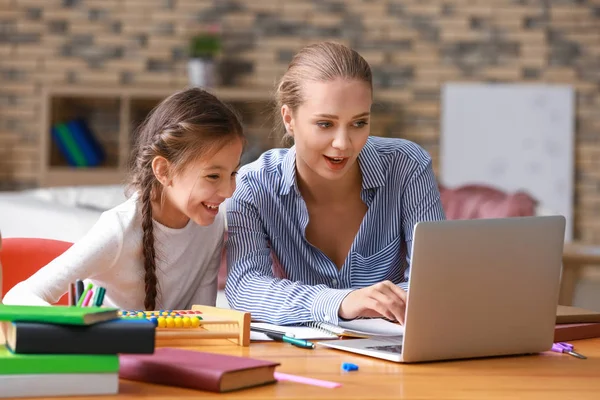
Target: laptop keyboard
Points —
{"points": [[391, 348]]}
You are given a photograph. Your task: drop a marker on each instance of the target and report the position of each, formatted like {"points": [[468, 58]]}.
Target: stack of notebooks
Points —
{"points": [[67, 351]]}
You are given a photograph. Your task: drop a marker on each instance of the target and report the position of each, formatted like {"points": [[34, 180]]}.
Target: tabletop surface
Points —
{"points": [[547, 375]]}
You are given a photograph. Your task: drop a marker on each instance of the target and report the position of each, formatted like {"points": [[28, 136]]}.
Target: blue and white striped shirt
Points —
{"points": [[266, 214]]}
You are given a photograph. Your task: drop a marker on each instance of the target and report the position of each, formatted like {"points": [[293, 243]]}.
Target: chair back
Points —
{"points": [[22, 257]]}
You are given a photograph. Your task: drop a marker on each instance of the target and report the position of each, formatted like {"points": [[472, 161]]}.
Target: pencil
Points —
{"points": [[88, 296], [94, 299], [78, 290], [84, 294], [71, 294], [100, 300]]}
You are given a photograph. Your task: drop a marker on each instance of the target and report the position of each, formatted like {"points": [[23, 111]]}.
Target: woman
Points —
{"points": [[323, 230]]}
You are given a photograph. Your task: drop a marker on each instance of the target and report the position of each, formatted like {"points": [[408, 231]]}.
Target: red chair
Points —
{"points": [[22, 257]]}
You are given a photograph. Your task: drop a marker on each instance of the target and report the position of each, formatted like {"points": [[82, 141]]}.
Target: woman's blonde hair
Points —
{"points": [[319, 62]]}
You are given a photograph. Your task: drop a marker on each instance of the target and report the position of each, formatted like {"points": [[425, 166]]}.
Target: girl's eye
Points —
{"points": [[361, 124], [234, 174], [213, 177], [324, 124]]}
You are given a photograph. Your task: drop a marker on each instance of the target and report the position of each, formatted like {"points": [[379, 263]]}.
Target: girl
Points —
{"points": [[161, 248], [337, 209]]}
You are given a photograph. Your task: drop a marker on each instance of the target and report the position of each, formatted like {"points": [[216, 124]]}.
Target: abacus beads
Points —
{"points": [[168, 318]]}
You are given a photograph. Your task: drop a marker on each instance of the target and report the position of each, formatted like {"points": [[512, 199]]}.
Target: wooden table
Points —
{"points": [[544, 376], [575, 257]]}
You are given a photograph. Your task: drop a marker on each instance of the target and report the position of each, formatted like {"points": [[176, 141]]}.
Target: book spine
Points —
{"points": [[71, 146], [62, 147], [83, 143], [94, 143], [109, 337]]}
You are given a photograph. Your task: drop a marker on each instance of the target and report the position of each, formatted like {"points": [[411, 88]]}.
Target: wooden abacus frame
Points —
{"points": [[216, 323]]}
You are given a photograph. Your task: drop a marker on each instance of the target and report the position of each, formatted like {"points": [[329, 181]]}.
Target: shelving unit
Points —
{"points": [[114, 114]]}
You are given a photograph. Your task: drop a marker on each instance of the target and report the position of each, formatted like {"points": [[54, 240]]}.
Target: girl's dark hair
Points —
{"points": [[319, 62], [184, 127]]}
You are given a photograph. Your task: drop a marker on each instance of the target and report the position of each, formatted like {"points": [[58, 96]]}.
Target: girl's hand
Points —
{"points": [[383, 299]]}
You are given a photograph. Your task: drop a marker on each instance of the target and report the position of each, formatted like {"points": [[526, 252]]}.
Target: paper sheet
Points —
{"points": [[373, 327]]}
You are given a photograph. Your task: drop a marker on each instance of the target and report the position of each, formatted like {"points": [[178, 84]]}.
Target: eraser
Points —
{"points": [[349, 367]]}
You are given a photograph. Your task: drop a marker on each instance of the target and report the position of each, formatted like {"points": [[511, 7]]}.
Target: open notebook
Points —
{"points": [[367, 327]]}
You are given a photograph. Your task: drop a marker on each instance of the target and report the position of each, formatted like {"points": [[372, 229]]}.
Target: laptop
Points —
{"points": [[477, 288]]}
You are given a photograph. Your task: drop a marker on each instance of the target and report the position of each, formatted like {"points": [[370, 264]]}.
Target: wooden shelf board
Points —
{"points": [[224, 93], [66, 176]]}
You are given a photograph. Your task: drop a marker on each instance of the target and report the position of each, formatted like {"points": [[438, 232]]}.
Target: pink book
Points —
{"points": [[197, 370]]}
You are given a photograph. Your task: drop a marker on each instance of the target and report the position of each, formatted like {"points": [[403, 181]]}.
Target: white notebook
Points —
{"points": [[49, 385], [367, 327]]}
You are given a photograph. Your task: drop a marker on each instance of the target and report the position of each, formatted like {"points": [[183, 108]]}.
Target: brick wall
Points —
{"points": [[412, 45]]}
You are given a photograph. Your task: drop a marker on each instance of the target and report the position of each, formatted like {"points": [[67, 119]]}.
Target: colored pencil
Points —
{"points": [[84, 294]]}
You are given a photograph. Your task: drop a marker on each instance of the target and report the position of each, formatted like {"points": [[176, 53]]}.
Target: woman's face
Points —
{"points": [[330, 127]]}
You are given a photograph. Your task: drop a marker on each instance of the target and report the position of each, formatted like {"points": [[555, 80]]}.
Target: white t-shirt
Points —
{"points": [[110, 255]]}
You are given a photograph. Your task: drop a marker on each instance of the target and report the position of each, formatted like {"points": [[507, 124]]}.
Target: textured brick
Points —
{"points": [[511, 74], [89, 77], [413, 46], [164, 79]]}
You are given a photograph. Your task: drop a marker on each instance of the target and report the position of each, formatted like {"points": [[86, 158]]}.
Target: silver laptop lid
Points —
{"points": [[483, 287]]}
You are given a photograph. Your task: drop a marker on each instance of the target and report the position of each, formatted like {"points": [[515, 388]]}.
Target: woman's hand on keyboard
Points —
{"points": [[383, 299]]}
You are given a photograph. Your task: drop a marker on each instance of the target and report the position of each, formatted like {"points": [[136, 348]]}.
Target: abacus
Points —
{"points": [[168, 318], [193, 327]]}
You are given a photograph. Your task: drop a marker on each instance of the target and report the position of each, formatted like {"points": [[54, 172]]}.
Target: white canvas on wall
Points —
{"points": [[512, 137]]}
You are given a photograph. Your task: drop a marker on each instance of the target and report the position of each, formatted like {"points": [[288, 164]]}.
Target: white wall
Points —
{"points": [[513, 137]]}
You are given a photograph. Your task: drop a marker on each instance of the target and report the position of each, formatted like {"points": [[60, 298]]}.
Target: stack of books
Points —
{"points": [[66, 350]]}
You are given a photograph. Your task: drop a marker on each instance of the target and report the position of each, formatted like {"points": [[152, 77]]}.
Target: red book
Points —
{"points": [[566, 332], [196, 370]]}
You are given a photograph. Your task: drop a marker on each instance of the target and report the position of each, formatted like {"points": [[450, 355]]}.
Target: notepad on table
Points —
{"points": [[367, 327]]}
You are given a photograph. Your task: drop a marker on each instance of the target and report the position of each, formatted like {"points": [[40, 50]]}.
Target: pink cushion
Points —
{"points": [[479, 201]]}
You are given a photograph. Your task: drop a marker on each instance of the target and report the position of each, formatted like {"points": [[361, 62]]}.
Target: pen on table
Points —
{"points": [[280, 337]]}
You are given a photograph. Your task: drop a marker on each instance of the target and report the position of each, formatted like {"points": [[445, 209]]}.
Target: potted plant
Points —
{"points": [[203, 50]]}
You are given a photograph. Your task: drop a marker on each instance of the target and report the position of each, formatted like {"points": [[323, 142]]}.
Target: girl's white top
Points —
{"points": [[110, 255]]}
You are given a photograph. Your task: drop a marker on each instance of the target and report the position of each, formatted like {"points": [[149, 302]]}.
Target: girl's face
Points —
{"points": [[197, 192], [330, 128]]}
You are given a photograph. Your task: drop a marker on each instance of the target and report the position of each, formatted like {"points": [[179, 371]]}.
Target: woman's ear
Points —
{"points": [[288, 119], [160, 168]]}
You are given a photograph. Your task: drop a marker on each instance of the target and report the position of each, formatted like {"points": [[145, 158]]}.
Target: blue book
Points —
{"points": [[98, 149], [81, 137]]}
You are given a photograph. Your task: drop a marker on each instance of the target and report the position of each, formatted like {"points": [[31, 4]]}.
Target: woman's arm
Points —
{"points": [[251, 285], [96, 252], [420, 202]]}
